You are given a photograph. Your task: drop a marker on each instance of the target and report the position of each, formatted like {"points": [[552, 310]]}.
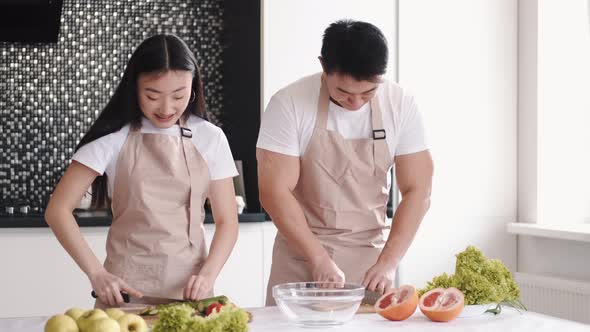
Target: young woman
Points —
{"points": [[155, 158]]}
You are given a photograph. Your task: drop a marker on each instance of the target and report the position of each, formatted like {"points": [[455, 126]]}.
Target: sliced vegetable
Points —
{"points": [[200, 305], [214, 307]]}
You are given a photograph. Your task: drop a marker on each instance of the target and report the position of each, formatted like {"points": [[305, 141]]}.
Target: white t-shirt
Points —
{"points": [[288, 122], [101, 155]]}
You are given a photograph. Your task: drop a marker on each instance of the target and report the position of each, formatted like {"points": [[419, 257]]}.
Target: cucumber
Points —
{"points": [[202, 305], [149, 311]]}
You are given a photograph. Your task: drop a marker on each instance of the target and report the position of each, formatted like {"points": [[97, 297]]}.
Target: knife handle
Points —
{"points": [[124, 295]]}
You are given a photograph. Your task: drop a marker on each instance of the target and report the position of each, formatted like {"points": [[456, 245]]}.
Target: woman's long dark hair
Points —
{"points": [[159, 53]]}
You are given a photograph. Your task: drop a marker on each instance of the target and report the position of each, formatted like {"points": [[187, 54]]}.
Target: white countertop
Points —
{"points": [[270, 319]]}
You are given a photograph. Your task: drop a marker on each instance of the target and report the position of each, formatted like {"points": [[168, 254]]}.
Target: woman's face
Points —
{"points": [[163, 97]]}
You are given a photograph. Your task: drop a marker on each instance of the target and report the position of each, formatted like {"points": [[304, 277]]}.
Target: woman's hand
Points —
{"points": [[199, 286], [108, 288]]}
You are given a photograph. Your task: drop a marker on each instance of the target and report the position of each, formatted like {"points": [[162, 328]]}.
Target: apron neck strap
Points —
{"points": [[321, 121], [381, 155], [322, 113], [184, 130], [377, 119]]}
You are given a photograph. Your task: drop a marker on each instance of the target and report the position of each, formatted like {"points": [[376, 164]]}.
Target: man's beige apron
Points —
{"points": [[156, 240], [343, 192]]}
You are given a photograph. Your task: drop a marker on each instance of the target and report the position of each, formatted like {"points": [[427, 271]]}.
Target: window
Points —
{"points": [[554, 112]]}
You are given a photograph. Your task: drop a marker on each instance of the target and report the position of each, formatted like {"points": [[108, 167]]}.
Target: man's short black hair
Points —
{"points": [[356, 48]]}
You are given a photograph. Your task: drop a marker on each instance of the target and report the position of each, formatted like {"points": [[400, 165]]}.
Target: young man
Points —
{"points": [[326, 146]]}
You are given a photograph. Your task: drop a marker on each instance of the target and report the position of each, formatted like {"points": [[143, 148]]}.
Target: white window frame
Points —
{"points": [[528, 142]]}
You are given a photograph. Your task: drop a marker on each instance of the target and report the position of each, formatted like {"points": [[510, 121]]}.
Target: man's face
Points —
{"points": [[350, 93]]}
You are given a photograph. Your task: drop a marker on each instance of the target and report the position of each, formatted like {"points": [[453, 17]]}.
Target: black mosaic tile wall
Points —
{"points": [[51, 93]]}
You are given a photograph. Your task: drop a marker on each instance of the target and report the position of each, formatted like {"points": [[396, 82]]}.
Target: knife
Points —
{"points": [[154, 300], [371, 297], [124, 295], [144, 299]]}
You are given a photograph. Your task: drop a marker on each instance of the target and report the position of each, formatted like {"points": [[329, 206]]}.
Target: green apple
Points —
{"points": [[75, 313], [102, 325], [114, 313], [132, 323], [90, 315], [61, 323]]}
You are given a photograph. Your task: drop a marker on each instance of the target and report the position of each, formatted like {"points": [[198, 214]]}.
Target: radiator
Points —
{"points": [[564, 298]]}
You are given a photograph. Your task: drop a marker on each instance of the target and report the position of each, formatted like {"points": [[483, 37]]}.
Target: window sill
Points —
{"points": [[572, 232]]}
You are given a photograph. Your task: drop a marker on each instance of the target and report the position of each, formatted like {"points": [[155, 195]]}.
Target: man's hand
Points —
{"points": [[326, 270], [381, 276]]}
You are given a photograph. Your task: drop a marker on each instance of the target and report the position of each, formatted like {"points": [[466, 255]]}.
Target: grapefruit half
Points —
{"points": [[442, 304], [398, 304]]}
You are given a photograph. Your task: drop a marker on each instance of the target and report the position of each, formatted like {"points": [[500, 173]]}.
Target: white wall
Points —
{"points": [[459, 57], [293, 30], [38, 278]]}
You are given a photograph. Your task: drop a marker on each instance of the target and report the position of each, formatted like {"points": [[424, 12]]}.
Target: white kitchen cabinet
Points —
{"points": [[269, 232], [244, 276], [37, 276]]}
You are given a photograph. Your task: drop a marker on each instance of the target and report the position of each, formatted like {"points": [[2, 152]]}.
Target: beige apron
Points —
{"points": [[343, 192], [156, 240]]}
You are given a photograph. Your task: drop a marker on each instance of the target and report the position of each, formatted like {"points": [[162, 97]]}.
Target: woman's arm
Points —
{"points": [[66, 196], [225, 215]]}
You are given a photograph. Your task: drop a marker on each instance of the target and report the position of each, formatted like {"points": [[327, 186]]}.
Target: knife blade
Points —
{"points": [[371, 297], [154, 300]]}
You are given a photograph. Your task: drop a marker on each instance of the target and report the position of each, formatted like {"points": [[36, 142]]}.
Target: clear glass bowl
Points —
{"points": [[318, 304]]}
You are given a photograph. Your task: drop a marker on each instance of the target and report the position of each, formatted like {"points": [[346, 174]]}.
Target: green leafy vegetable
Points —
{"points": [[480, 279], [516, 304], [184, 318], [174, 318]]}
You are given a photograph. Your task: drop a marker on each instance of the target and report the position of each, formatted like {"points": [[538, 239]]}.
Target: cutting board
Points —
{"points": [[150, 320]]}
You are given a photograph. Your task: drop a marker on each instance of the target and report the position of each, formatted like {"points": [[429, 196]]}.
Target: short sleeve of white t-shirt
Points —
{"points": [[289, 119], [102, 154]]}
